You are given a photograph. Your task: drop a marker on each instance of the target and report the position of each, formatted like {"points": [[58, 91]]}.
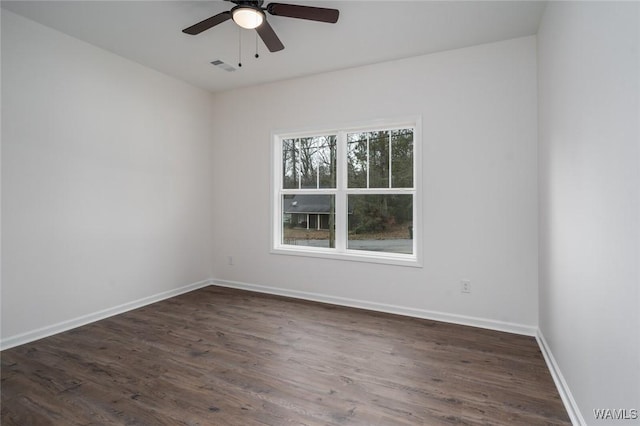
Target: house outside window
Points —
{"points": [[350, 193]]}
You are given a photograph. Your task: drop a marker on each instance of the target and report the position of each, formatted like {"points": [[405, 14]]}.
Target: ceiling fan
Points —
{"points": [[250, 15]]}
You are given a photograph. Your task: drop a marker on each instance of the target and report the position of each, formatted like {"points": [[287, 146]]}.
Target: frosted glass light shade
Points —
{"points": [[248, 17]]}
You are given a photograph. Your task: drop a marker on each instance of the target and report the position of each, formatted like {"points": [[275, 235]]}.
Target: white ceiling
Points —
{"points": [[149, 32]]}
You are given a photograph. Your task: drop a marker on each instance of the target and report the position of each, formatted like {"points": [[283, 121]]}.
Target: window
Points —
{"points": [[350, 193]]}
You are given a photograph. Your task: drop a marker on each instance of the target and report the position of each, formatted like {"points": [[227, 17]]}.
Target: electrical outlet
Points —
{"points": [[230, 260], [465, 286]]}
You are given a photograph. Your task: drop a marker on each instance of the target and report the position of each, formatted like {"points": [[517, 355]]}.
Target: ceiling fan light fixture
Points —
{"points": [[247, 17]]}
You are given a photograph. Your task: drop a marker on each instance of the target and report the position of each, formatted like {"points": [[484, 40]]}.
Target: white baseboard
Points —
{"points": [[563, 388], [383, 307], [30, 336]]}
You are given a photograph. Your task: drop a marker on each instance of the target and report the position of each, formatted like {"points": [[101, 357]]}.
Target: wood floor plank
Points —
{"points": [[220, 356]]}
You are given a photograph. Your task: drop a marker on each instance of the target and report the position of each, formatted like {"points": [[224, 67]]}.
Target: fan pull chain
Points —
{"points": [[257, 56], [239, 47]]}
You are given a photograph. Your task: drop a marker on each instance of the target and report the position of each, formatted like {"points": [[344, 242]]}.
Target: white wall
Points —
{"points": [[589, 89], [105, 181], [478, 108]]}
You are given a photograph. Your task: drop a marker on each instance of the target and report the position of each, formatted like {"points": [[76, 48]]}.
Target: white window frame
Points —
{"points": [[341, 192]]}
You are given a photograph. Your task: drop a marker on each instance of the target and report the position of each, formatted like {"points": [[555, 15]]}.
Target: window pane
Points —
{"points": [[402, 158], [326, 160], [308, 220], [306, 164], [357, 160], [317, 162], [382, 223], [379, 159], [289, 167]]}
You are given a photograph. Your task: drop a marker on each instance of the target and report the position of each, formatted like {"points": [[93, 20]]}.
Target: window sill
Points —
{"points": [[351, 255]]}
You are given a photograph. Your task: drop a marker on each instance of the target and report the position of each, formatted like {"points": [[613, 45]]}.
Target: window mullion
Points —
{"points": [[316, 161], [390, 152], [341, 185], [297, 145], [368, 161]]}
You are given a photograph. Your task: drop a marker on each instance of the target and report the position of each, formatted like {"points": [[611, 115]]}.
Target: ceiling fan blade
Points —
{"points": [[269, 37], [207, 23], [304, 12]]}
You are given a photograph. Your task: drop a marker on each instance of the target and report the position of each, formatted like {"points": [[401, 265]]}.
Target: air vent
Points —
{"points": [[218, 63]]}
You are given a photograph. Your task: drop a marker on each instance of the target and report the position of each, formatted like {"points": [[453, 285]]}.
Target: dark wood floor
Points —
{"points": [[218, 356]]}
